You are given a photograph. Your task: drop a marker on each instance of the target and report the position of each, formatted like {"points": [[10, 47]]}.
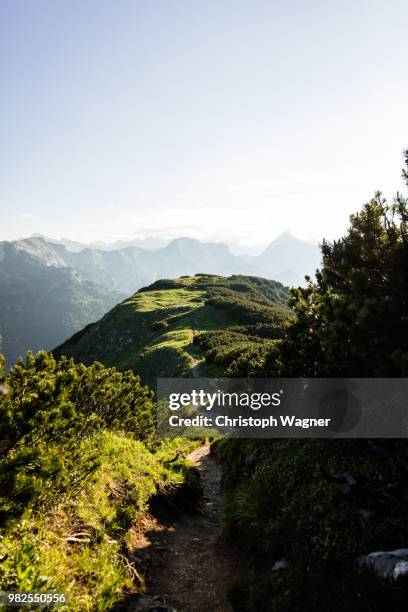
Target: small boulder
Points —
{"points": [[390, 565], [280, 565]]}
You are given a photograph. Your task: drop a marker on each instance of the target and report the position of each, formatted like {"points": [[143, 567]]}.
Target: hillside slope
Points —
{"points": [[42, 301], [162, 330]]}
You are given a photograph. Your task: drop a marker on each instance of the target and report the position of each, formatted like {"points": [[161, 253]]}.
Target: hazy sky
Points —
{"points": [[216, 119]]}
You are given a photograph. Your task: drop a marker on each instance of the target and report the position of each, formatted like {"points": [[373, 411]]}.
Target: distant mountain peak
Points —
{"points": [[184, 242], [288, 258], [285, 237]]}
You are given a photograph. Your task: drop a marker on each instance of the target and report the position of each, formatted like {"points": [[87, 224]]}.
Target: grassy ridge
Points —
{"points": [[157, 331]]}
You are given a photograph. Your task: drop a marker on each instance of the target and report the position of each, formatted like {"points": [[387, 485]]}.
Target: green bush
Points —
{"points": [[79, 463], [47, 408]]}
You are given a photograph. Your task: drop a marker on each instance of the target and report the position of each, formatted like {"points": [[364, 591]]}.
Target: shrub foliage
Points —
{"points": [[289, 498], [47, 408]]}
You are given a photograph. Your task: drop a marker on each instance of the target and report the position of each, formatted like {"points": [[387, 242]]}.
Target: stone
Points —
{"points": [[390, 565], [280, 565]]}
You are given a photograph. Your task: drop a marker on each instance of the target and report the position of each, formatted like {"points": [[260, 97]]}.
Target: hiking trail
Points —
{"points": [[187, 564]]}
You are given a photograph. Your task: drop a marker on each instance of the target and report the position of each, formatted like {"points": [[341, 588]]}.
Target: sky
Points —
{"points": [[219, 119]]}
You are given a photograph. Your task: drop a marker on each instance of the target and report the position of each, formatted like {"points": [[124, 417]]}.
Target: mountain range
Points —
{"points": [[150, 243], [130, 268], [50, 290], [126, 266]]}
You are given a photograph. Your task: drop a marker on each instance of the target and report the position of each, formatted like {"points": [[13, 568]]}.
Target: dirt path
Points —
{"points": [[195, 367], [189, 566]]}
